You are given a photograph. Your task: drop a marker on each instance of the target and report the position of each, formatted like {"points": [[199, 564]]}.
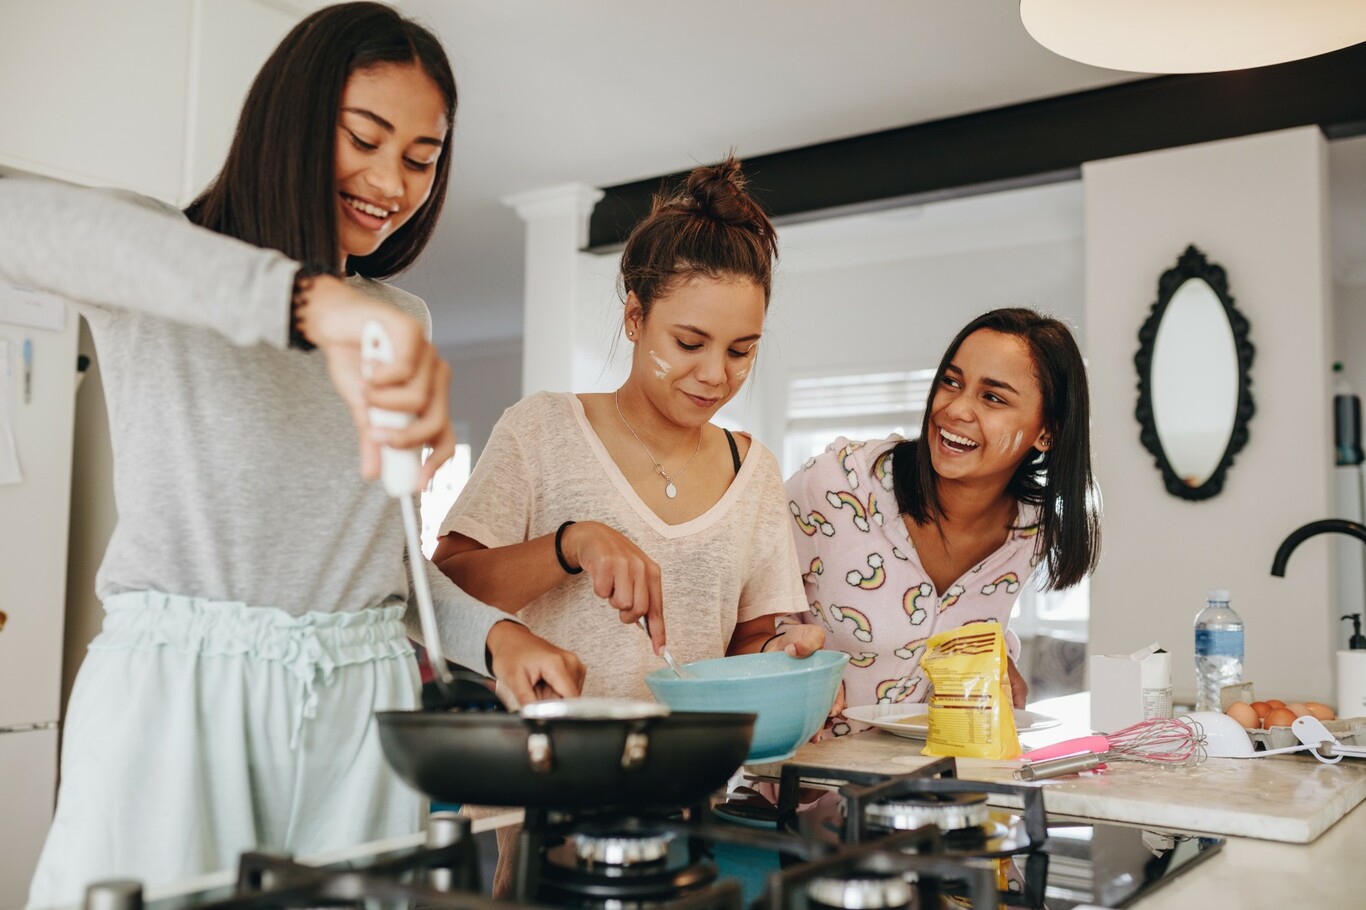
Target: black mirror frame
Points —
{"points": [[1193, 264]]}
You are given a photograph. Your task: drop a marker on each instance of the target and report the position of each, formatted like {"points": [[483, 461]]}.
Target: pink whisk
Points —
{"points": [[1157, 741]]}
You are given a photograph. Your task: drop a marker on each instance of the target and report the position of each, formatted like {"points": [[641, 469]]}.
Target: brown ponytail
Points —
{"points": [[710, 227]]}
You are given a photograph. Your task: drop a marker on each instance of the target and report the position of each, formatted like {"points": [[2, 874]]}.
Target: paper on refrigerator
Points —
{"points": [[9, 455]]}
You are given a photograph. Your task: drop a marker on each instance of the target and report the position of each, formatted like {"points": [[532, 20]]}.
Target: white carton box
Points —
{"points": [[1128, 688]]}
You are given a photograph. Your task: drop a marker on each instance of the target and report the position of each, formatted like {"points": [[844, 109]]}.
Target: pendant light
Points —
{"points": [[1192, 36]]}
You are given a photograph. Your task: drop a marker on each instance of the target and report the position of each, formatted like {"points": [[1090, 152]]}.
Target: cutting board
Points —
{"points": [[1288, 798]]}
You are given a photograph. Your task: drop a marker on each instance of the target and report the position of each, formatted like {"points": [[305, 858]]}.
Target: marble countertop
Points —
{"points": [[1291, 798]]}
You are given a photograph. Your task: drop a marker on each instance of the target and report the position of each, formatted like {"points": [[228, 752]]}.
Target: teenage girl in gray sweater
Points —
{"points": [[256, 584]]}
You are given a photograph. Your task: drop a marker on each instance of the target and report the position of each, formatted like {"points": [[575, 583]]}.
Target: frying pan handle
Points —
{"points": [[540, 752]]}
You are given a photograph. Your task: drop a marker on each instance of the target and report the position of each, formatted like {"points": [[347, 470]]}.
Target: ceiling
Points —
{"points": [[609, 91]]}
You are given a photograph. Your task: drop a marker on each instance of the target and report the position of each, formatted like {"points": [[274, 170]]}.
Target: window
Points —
{"points": [[441, 494], [861, 406], [1061, 614]]}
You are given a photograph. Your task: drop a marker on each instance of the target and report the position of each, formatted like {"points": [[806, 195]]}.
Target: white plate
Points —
{"points": [[913, 721]]}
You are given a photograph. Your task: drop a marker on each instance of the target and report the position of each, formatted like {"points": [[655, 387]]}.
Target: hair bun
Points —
{"points": [[718, 191]]}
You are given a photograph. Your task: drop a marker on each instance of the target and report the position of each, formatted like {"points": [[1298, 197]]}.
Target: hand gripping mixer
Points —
{"points": [[399, 469]]}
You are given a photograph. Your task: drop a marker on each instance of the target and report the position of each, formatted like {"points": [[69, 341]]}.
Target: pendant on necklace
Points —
{"points": [[670, 490]]}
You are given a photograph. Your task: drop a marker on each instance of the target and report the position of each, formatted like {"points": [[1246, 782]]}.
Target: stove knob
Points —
{"points": [[116, 894]]}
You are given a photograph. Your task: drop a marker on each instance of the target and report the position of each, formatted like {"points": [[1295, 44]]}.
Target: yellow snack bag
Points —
{"points": [[971, 712]]}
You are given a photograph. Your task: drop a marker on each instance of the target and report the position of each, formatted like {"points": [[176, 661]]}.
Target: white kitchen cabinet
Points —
{"points": [[28, 779], [142, 95]]}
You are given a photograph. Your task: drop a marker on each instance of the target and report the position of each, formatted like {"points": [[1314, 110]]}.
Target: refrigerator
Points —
{"points": [[38, 378]]}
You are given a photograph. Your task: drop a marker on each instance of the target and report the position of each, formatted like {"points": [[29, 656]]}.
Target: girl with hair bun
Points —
{"points": [[588, 512]]}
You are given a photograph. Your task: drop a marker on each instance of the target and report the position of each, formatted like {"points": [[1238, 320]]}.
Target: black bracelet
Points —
{"points": [[559, 554], [770, 638], [303, 283]]}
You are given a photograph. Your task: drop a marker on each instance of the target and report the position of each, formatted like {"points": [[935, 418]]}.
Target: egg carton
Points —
{"points": [[1350, 731]]}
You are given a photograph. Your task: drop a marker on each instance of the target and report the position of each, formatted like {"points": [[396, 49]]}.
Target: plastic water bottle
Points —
{"points": [[1218, 650]]}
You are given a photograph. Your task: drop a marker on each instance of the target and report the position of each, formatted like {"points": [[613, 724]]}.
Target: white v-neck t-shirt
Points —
{"points": [[545, 465]]}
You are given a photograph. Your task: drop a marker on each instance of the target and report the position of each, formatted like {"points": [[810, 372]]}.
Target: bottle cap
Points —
{"points": [[1218, 594]]}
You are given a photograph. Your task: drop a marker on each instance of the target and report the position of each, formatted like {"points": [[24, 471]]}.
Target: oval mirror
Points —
{"points": [[1194, 362]]}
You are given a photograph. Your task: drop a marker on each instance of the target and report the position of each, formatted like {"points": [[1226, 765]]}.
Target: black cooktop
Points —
{"points": [[830, 839]]}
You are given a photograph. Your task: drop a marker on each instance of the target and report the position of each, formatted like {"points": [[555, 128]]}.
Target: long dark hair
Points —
{"points": [[1057, 480], [278, 188], [711, 226]]}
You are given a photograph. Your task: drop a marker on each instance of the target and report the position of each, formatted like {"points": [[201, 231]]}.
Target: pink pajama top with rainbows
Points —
{"points": [[866, 586]]}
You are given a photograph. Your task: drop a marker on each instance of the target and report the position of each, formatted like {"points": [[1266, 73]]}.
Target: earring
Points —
{"points": [[630, 333]]}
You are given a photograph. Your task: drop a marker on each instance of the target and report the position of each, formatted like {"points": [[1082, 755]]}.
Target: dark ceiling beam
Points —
{"points": [[1027, 143]]}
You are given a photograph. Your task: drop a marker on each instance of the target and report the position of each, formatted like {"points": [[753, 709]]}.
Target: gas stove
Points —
{"points": [[1034, 860], [924, 839]]}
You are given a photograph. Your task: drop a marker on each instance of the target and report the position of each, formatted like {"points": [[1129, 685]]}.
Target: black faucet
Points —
{"points": [[1301, 534]]}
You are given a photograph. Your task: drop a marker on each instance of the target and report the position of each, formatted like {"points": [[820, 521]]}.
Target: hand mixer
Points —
{"points": [[399, 469]]}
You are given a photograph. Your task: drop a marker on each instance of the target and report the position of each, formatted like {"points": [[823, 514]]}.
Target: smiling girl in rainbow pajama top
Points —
{"points": [[865, 583], [999, 482]]}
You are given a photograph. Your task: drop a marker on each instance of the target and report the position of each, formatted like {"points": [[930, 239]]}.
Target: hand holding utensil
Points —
{"points": [[664, 652], [399, 469]]}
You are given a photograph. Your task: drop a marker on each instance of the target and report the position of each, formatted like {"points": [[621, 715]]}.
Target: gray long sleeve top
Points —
{"points": [[236, 470]]}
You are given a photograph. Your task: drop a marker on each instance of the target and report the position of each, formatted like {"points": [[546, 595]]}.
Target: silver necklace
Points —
{"points": [[670, 489]]}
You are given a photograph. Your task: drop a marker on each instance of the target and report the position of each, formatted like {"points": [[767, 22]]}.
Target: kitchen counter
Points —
{"points": [[1248, 872]]}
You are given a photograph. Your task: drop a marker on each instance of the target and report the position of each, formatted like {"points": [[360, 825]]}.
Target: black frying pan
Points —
{"points": [[492, 758], [465, 748]]}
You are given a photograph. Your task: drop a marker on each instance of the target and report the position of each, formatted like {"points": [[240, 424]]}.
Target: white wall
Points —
{"points": [[1256, 206], [900, 315], [486, 379]]}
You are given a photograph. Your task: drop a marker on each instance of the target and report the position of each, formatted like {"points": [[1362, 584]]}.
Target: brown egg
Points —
{"points": [[1322, 712], [1279, 717], [1262, 709], [1242, 712], [1298, 707], [1275, 703]]}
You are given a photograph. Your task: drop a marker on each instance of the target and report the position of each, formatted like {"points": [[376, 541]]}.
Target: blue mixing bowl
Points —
{"points": [[791, 696]]}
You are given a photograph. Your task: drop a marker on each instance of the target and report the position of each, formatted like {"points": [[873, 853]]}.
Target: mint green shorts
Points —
{"points": [[199, 729]]}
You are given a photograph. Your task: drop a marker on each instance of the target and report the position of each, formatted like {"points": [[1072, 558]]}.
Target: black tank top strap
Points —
{"points": [[734, 450]]}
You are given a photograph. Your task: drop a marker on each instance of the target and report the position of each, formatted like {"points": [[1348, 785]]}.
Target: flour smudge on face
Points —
{"points": [[1008, 447], [664, 367]]}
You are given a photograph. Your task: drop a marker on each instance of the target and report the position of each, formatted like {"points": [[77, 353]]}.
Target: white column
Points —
{"points": [[556, 228]]}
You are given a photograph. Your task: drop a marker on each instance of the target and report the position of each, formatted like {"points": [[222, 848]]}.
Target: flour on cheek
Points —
{"points": [[1006, 445], [663, 367]]}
